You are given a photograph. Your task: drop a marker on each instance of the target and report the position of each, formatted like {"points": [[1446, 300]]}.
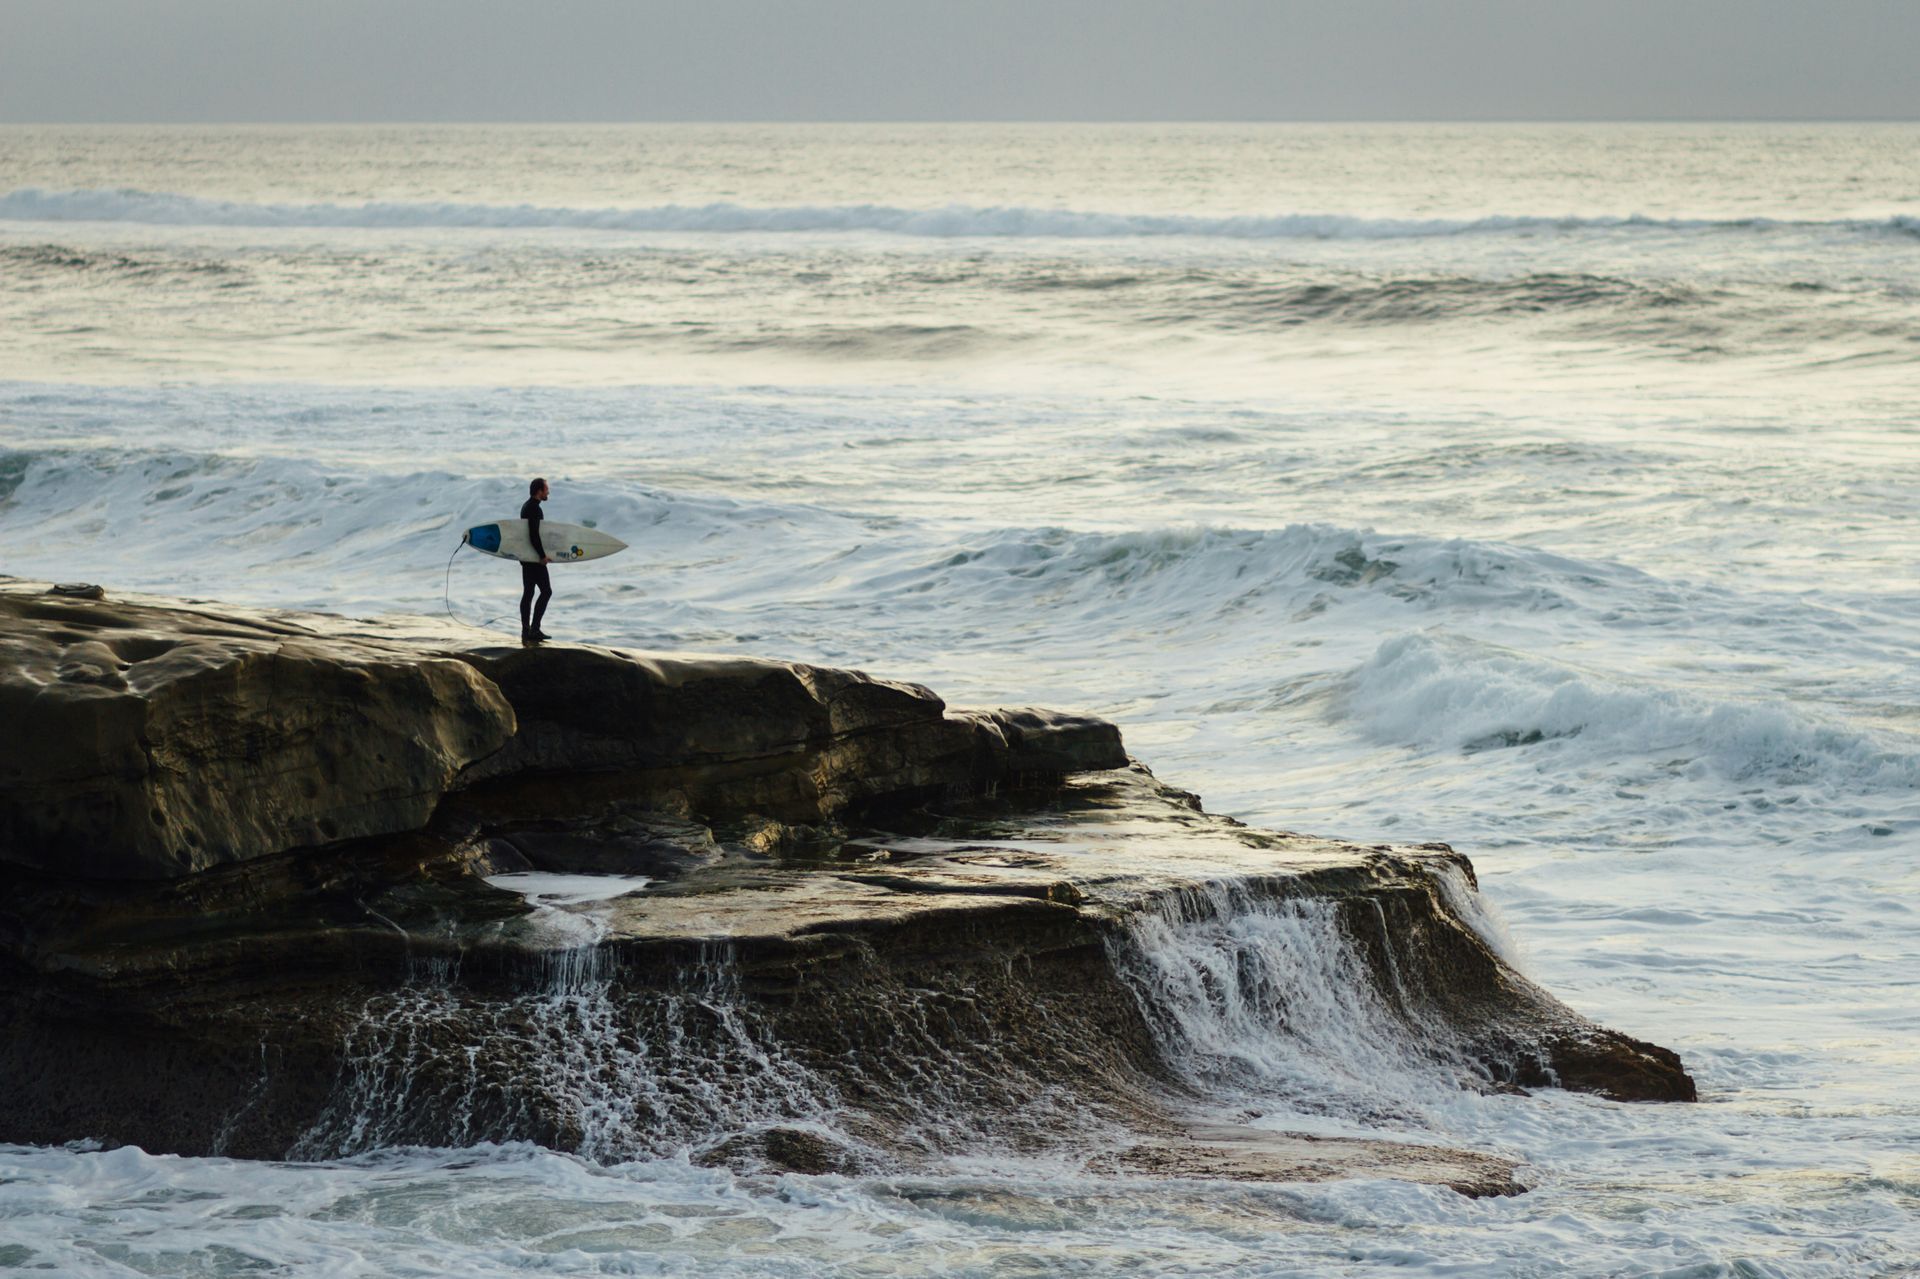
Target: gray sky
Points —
{"points": [[357, 60]]}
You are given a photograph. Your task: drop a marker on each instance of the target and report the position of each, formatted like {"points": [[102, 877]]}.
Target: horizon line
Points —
{"points": [[876, 120]]}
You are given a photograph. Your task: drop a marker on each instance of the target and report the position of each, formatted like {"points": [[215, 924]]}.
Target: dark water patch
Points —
{"points": [[1351, 567], [861, 342], [1507, 738], [54, 260], [1253, 303], [1066, 282]]}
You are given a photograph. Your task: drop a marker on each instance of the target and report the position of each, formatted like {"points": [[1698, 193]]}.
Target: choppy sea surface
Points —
{"points": [[1547, 490]]}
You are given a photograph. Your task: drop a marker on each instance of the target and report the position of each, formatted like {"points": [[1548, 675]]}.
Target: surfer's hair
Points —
{"points": [[536, 484]]}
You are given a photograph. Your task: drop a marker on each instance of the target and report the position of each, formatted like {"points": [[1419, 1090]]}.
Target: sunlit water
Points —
{"points": [[1549, 491]]}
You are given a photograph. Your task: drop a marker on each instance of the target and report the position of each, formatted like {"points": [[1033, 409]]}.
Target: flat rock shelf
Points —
{"points": [[288, 885]]}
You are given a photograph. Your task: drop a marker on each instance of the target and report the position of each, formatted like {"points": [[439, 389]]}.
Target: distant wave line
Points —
{"points": [[35, 204]]}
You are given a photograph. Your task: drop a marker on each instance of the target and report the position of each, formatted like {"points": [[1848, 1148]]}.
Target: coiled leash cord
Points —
{"points": [[446, 594]]}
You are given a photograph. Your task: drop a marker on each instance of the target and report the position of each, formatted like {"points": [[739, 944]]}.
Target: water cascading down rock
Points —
{"points": [[291, 885]]}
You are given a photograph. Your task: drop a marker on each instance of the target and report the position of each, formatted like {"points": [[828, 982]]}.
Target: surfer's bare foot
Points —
{"points": [[539, 635]]}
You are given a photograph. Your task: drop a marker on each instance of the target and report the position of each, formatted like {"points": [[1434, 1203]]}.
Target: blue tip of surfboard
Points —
{"points": [[484, 538]]}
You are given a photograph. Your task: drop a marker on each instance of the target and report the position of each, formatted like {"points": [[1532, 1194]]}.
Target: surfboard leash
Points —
{"points": [[446, 595]]}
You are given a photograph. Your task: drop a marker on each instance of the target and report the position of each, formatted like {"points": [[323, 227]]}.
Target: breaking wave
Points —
{"points": [[37, 204], [1457, 694], [1191, 575], [1413, 618]]}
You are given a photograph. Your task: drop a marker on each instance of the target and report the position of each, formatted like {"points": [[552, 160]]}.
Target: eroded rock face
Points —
{"points": [[147, 742], [593, 708], [1009, 973], [1044, 743], [738, 930], [733, 735], [155, 739]]}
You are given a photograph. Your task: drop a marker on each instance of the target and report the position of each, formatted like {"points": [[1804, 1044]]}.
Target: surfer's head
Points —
{"points": [[537, 490]]}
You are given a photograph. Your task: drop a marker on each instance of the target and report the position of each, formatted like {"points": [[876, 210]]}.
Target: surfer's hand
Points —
{"points": [[546, 559]]}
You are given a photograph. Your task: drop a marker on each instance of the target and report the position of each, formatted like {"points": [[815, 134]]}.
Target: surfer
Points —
{"points": [[534, 575]]}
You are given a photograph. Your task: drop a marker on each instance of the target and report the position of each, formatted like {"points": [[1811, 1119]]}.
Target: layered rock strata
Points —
{"points": [[152, 740], [853, 923]]}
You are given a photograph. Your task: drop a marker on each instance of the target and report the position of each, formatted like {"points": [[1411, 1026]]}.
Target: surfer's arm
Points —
{"points": [[533, 535]]}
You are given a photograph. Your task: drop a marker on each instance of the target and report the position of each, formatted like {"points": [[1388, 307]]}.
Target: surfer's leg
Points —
{"points": [[546, 592], [530, 575]]}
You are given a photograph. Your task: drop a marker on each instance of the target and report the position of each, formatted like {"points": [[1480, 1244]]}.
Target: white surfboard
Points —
{"points": [[566, 543]]}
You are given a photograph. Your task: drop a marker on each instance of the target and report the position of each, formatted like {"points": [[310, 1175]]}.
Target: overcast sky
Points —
{"points": [[361, 60]]}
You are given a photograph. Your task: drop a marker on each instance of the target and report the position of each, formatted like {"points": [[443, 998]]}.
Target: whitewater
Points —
{"points": [[1545, 490]]}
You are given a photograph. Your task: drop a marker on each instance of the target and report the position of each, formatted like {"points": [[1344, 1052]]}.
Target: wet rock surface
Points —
{"points": [[648, 917], [785, 1150], [1220, 1153]]}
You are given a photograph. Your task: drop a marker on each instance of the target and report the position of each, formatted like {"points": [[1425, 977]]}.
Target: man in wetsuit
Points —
{"points": [[534, 575]]}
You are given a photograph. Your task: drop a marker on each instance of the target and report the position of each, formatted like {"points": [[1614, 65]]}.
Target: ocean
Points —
{"points": [[1548, 490]]}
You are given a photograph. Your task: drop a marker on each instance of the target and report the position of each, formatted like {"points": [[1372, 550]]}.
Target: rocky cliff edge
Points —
{"points": [[281, 884]]}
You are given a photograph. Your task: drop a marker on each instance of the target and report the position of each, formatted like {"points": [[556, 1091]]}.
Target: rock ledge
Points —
{"points": [[280, 884]]}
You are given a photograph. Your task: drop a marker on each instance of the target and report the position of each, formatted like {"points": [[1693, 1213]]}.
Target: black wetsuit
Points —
{"points": [[533, 575]]}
